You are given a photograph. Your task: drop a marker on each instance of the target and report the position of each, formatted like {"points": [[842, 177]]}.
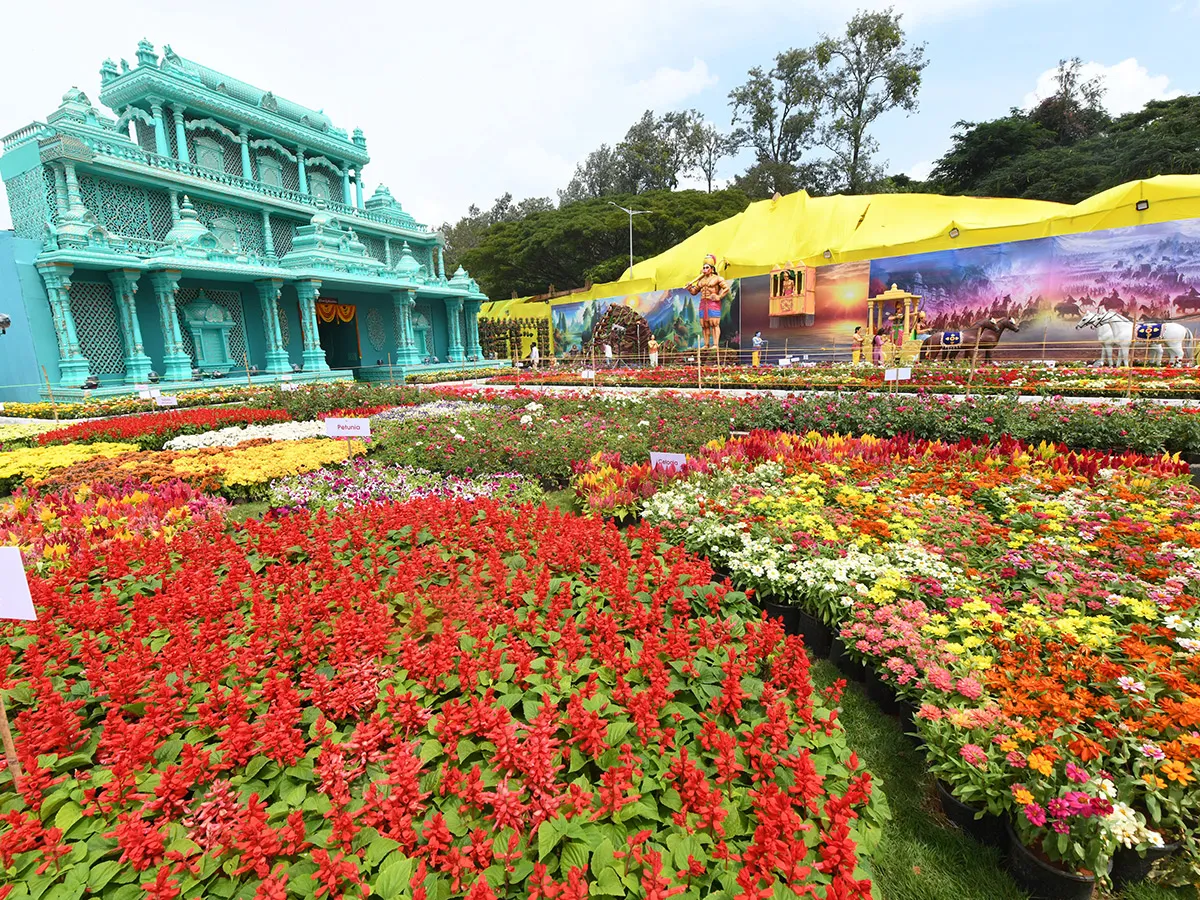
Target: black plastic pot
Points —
{"points": [[818, 637], [1042, 880], [1129, 868], [850, 667], [989, 830], [789, 614], [882, 693]]}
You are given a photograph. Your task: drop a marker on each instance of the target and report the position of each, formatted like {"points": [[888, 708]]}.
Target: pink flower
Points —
{"points": [[1036, 815], [1076, 774], [970, 688], [974, 754], [1015, 759]]}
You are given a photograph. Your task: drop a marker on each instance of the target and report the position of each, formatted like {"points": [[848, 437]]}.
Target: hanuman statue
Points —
{"points": [[712, 289]]}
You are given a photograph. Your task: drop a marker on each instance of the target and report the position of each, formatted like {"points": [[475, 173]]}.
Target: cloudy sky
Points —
{"points": [[462, 100]]}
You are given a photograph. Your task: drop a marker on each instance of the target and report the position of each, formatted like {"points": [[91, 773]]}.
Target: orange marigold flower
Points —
{"points": [[1154, 781], [1039, 763]]}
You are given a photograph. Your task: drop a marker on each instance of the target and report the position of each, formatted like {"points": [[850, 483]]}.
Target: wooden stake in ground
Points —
{"points": [[50, 389], [246, 363], [10, 748], [391, 377]]}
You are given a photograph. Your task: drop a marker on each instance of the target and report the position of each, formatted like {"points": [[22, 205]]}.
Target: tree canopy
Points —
{"points": [[588, 241]]}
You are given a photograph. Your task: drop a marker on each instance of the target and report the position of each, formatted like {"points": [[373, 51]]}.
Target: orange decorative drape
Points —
{"points": [[345, 312], [326, 312]]}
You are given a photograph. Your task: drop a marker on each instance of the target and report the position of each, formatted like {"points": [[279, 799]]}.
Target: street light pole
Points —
{"points": [[631, 213]]}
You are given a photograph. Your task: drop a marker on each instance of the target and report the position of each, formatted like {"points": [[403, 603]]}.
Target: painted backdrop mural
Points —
{"points": [[1151, 272], [672, 315]]}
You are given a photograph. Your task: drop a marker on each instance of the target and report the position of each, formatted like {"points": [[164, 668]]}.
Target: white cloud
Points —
{"points": [[1128, 86], [920, 171], [460, 100]]}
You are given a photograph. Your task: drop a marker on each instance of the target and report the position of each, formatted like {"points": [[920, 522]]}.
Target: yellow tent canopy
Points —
{"points": [[814, 231]]}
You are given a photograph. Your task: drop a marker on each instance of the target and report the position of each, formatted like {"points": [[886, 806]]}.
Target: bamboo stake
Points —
{"points": [[10, 748], [246, 363], [50, 388]]}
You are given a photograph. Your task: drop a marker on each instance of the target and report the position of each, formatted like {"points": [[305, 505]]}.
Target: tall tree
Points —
{"points": [[466, 233], [597, 176], [1075, 110], [868, 70], [776, 114], [711, 147], [656, 150]]}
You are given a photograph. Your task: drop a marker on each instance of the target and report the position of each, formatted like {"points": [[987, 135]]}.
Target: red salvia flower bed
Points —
{"points": [[428, 700], [152, 430]]}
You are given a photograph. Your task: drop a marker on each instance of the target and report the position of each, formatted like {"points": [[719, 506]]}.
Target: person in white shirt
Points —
{"points": [[534, 356], [608, 357]]}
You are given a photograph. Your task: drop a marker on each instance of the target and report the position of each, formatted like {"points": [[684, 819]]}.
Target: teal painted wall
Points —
{"points": [[150, 323], [30, 314], [289, 308]]}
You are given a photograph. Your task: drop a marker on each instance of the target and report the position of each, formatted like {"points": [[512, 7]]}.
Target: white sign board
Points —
{"points": [[897, 374], [785, 362], [1, 407], [166, 400], [289, 387], [285, 377], [588, 373], [667, 460], [15, 600], [141, 387], [145, 395], [348, 428]]}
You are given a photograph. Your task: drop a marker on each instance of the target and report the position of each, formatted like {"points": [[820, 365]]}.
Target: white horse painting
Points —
{"points": [[1115, 333]]}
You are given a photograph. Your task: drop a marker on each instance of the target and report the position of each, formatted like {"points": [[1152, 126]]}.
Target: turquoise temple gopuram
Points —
{"points": [[209, 228]]}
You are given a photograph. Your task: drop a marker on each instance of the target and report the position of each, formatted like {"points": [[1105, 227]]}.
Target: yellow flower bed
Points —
{"points": [[243, 467], [22, 430], [38, 462]]}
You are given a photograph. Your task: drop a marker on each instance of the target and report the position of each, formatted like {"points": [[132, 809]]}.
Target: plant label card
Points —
{"points": [[166, 400], [288, 386], [145, 395], [15, 600], [348, 428], [670, 461], [1, 407], [285, 377], [904, 374], [141, 387], [588, 373]]}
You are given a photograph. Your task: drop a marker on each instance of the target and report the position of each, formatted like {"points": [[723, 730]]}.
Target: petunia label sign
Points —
{"points": [[166, 400], [15, 599], [348, 428]]}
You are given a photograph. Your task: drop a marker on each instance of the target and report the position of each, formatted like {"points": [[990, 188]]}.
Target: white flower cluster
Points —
{"points": [[1129, 828], [231, 437]]}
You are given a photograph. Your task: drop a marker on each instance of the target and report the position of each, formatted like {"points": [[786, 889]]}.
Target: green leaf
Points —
{"points": [[68, 814], [549, 833], [101, 874], [602, 857], [393, 875], [574, 856], [294, 796], [608, 883], [379, 848]]}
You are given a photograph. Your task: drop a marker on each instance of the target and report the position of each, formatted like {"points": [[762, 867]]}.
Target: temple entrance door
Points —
{"points": [[337, 328]]}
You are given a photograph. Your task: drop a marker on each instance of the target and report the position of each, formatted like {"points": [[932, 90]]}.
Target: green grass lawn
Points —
{"points": [[921, 855]]}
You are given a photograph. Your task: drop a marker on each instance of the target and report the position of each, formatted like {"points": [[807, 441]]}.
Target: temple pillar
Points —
{"points": [[473, 307], [441, 264], [161, 147], [403, 303], [454, 344], [313, 357], [387, 251], [346, 186], [75, 208], [181, 147], [60, 192], [73, 366], [358, 187], [247, 171], [277, 355], [301, 173], [177, 364], [268, 235], [137, 363]]}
